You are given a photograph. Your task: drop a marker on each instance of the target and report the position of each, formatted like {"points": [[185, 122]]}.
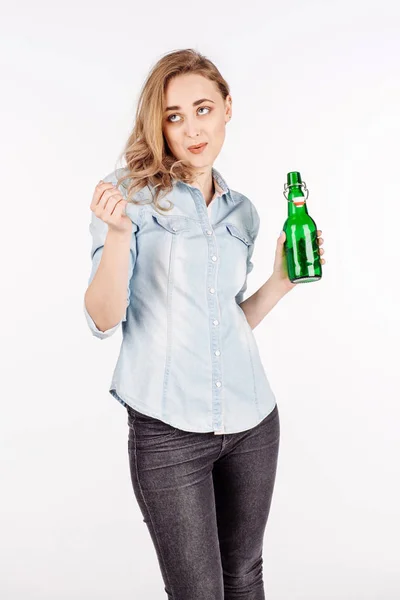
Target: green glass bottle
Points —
{"points": [[301, 245]]}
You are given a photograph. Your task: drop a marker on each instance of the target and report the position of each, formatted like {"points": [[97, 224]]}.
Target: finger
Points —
{"points": [[119, 209], [98, 191], [319, 232], [320, 241], [322, 261], [321, 250], [109, 199]]}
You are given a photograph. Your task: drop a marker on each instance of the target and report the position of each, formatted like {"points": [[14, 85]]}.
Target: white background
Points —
{"points": [[316, 88]]}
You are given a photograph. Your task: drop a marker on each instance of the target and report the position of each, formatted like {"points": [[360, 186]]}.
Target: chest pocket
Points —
{"points": [[237, 233], [175, 224]]}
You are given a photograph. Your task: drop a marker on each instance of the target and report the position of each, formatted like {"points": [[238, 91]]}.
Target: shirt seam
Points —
{"points": [[168, 356]]}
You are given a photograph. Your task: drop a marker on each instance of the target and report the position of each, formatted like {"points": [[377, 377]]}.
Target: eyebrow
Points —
{"points": [[194, 104]]}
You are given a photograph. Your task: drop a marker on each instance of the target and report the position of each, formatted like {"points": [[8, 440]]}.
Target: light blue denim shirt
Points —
{"points": [[188, 354]]}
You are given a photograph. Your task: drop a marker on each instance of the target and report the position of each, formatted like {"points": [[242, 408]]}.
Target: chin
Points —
{"points": [[200, 161], [204, 167]]}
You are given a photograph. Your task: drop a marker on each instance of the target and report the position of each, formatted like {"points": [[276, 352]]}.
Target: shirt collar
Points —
{"points": [[221, 187]]}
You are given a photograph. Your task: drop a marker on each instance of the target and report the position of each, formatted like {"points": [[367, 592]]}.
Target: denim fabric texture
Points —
{"points": [[205, 500], [188, 355]]}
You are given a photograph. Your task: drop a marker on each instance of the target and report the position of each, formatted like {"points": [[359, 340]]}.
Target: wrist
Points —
{"points": [[283, 285], [119, 235]]}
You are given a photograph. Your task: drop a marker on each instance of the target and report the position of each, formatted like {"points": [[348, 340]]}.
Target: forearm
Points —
{"points": [[257, 306], [105, 298]]}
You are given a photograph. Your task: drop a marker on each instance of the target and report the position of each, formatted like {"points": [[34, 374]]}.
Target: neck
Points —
{"points": [[205, 183]]}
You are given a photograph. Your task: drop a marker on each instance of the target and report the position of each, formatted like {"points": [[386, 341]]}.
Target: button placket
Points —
{"points": [[215, 341], [212, 270]]}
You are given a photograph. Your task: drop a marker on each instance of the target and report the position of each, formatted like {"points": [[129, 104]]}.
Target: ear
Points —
{"points": [[228, 108]]}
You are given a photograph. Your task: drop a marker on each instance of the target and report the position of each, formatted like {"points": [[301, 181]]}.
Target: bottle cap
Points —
{"points": [[294, 178]]}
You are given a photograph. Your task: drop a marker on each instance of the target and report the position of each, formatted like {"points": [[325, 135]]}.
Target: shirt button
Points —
{"points": [[217, 353], [218, 383], [215, 322], [214, 258], [212, 290], [174, 229], [208, 232]]}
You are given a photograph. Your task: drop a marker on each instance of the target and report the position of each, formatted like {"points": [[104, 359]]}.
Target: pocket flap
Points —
{"points": [[172, 223], [244, 237]]}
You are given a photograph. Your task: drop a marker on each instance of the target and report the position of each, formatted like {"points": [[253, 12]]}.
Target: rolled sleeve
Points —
{"points": [[98, 230], [94, 329]]}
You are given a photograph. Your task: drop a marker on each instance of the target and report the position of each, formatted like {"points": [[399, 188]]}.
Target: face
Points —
{"points": [[189, 125]]}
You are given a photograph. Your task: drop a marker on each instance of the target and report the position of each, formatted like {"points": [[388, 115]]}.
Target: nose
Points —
{"points": [[192, 128]]}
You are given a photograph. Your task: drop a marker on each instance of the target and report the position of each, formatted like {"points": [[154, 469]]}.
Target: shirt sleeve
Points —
{"points": [[255, 229], [98, 230]]}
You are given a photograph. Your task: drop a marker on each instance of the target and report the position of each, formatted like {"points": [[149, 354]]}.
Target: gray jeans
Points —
{"points": [[205, 499]]}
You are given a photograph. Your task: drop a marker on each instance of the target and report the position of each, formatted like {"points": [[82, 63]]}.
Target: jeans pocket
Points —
{"points": [[147, 430]]}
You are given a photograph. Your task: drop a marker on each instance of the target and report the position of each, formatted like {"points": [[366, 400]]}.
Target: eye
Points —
{"points": [[200, 108], [205, 107]]}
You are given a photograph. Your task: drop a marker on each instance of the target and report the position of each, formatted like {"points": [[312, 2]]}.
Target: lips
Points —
{"points": [[197, 146]]}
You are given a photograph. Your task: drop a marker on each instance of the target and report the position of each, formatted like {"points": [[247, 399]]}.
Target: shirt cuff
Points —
{"points": [[94, 329]]}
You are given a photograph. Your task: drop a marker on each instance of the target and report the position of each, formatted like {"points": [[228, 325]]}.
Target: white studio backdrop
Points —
{"points": [[316, 88]]}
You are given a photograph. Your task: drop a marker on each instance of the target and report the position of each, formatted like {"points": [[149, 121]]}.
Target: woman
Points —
{"points": [[172, 248]]}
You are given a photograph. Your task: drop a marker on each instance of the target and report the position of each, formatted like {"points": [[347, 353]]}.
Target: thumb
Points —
{"points": [[281, 238]]}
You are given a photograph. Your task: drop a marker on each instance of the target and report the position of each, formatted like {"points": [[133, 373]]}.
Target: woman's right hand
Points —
{"points": [[109, 205]]}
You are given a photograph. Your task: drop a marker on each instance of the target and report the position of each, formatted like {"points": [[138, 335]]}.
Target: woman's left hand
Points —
{"points": [[280, 265]]}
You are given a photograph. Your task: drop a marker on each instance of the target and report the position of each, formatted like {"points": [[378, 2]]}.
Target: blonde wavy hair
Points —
{"points": [[149, 161]]}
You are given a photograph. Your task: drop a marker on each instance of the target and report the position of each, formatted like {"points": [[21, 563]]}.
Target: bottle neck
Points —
{"points": [[296, 202]]}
